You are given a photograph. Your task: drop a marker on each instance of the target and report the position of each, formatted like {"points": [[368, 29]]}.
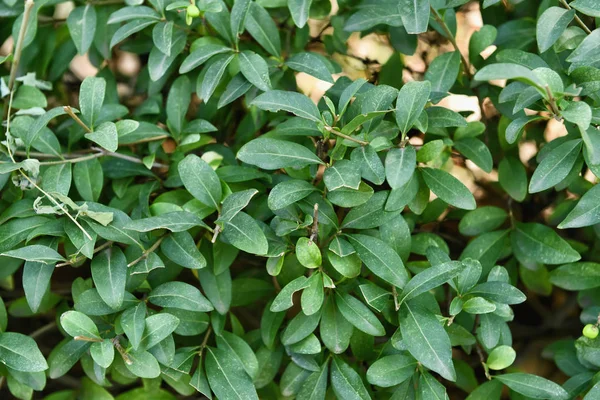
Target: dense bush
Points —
{"points": [[206, 227]]}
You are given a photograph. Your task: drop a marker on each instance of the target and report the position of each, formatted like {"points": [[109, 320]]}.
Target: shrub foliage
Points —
{"points": [[205, 229]]}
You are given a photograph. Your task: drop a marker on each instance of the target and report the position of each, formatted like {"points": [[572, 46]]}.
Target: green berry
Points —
{"points": [[193, 11], [590, 331]]}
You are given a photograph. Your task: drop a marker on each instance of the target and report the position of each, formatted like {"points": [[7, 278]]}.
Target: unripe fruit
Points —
{"points": [[590, 331], [193, 11]]}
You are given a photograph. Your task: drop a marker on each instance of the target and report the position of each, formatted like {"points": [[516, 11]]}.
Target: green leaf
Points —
{"points": [[255, 69], [263, 29], [214, 72], [476, 151], [508, 71], [57, 178], [227, 377], [501, 357], [400, 165], [162, 36], [109, 272], [499, 292], [180, 248], [576, 276], [105, 135], [391, 370], [295, 103], [235, 202], [35, 253], [157, 328], [358, 314], [311, 64], [143, 364], [371, 167], [512, 177], [346, 382], [443, 71], [178, 103], [368, 215], [133, 324], [308, 253], [91, 98], [82, 27], [300, 11], [542, 244], [588, 51], [344, 173], [586, 212], [578, 113], [587, 7], [200, 180], [380, 259], [411, 101], [129, 13], [448, 188], [555, 166], [415, 15], [103, 353], [64, 356], [289, 192], [21, 353], [426, 339], [441, 117], [429, 279], [239, 11], [88, 178], [335, 330], [176, 221], [129, 29], [478, 305], [78, 324], [484, 219], [431, 388], [533, 386], [243, 232], [201, 55], [284, 298], [274, 154], [36, 281], [217, 288], [179, 295], [550, 25]]}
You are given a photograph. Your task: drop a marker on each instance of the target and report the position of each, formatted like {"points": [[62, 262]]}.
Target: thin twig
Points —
{"points": [[314, 231], [81, 258], [19, 49], [342, 135], [71, 114], [146, 252], [216, 233], [552, 102], [128, 158], [577, 19], [450, 37], [46, 328]]}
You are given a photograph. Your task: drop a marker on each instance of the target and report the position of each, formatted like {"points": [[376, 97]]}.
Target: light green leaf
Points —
{"points": [[400, 165], [36, 281], [587, 7], [262, 28], [344, 173], [176, 221], [500, 292], [289, 192], [501, 357], [508, 71], [476, 151], [143, 365], [550, 25], [162, 36], [576, 276], [157, 328], [239, 11], [234, 203], [201, 55], [133, 324], [346, 382], [211, 79], [103, 353], [484, 219], [586, 212], [391, 370], [415, 15]]}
